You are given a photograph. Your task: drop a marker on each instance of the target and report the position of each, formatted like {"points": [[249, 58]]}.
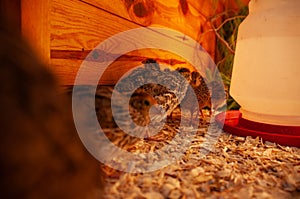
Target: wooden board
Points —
{"points": [[63, 32], [117, 69], [76, 29], [115, 7], [35, 26], [78, 26]]}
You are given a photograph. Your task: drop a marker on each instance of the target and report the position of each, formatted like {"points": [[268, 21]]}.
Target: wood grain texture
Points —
{"points": [[116, 7], [76, 29], [184, 6], [69, 54], [79, 26], [35, 26], [66, 69], [76, 25], [183, 17]]}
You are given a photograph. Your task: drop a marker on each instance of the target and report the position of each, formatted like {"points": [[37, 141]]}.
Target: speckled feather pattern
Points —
{"points": [[199, 89], [167, 86]]}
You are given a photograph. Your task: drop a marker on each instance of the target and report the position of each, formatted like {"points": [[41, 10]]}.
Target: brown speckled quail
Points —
{"points": [[201, 91], [167, 86], [185, 72], [139, 105], [139, 108], [132, 113]]}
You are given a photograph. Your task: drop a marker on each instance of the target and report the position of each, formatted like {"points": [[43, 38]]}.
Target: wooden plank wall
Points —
{"points": [[70, 29], [35, 26], [77, 27]]}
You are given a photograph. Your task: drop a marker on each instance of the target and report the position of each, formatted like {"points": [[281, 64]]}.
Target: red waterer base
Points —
{"points": [[283, 135]]}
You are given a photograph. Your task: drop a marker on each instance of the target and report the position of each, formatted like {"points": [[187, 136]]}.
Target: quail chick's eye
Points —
{"points": [[147, 103]]}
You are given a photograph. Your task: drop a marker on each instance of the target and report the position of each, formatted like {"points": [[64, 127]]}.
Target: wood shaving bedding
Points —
{"points": [[238, 167], [233, 167]]}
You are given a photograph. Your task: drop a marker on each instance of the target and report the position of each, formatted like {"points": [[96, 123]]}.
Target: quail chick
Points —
{"points": [[201, 91], [144, 111], [130, 117], [185, 72], [164, 96], [139, 77], [139, 108], [167, 86]]}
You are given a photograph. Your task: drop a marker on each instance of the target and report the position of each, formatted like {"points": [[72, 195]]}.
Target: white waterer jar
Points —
{"points": [[266, 71]]}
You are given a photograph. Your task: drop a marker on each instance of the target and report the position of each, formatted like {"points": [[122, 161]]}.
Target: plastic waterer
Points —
{"points": [[266, 70]]}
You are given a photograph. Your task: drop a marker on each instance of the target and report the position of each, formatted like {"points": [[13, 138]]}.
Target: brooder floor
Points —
{"points": [[214, 165], [227, 166]]}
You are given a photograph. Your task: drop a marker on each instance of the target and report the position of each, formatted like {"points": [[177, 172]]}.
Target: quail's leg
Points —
{"points": [[171, 115], [146, 134], [191, 120], [202, 115], [210, 112]]}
